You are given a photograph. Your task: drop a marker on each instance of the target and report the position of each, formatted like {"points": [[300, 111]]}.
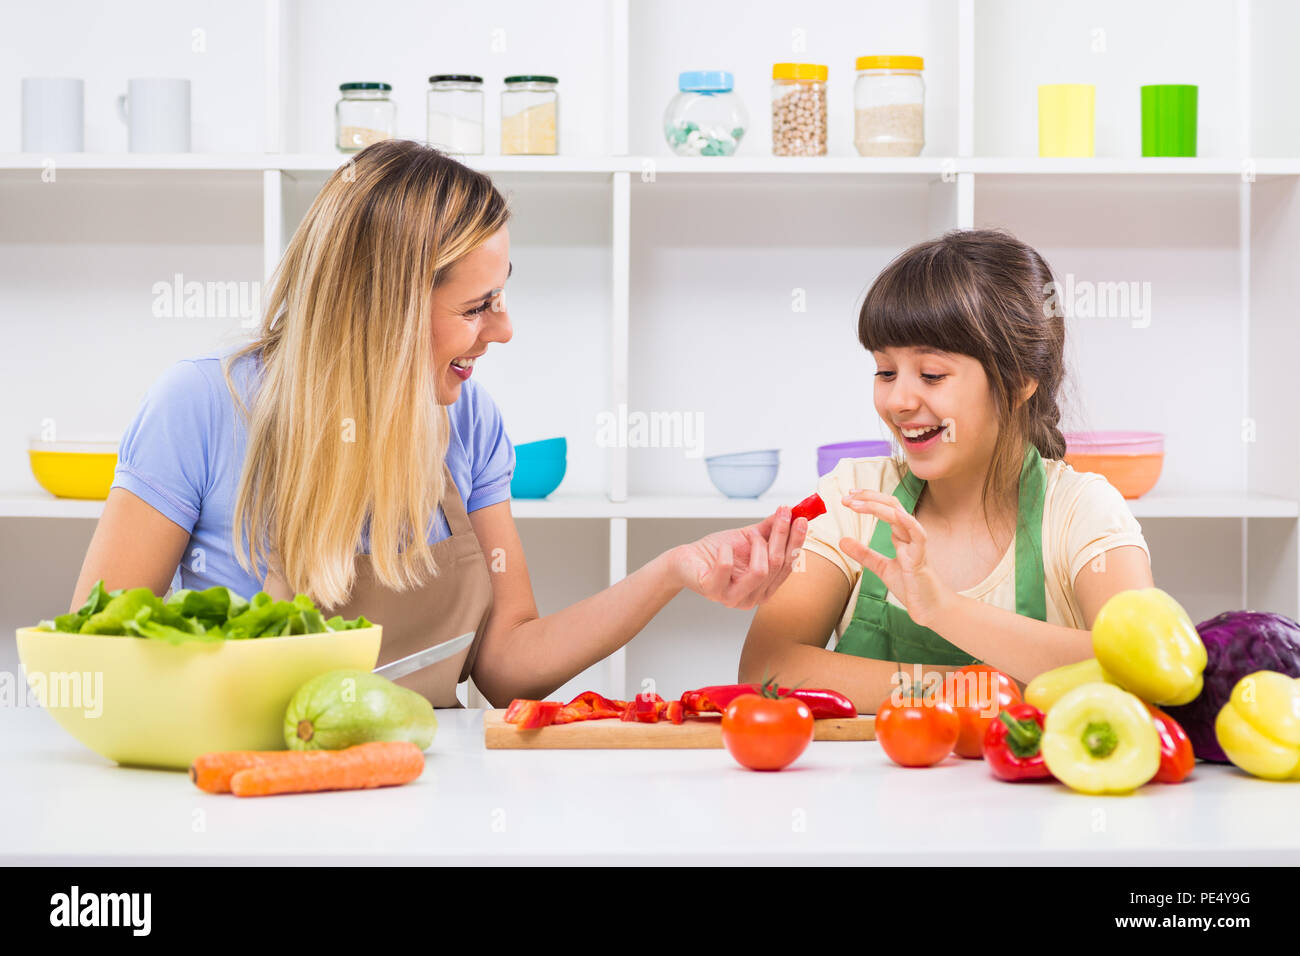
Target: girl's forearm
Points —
{"points": [[546, 652], [1020, 646]]}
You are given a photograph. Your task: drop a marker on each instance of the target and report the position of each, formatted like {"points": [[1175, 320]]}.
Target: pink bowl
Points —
{"points": [[1131, 461]]}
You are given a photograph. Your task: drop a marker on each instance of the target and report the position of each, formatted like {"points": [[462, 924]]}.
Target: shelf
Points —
{"points": [[708, 507], [920, 167]]}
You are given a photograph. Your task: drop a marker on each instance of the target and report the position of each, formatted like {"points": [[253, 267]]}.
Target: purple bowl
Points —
{"points": [[828, 456]]}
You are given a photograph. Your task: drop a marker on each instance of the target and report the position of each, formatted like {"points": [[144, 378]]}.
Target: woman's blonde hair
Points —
{"points": [[345, 429]]}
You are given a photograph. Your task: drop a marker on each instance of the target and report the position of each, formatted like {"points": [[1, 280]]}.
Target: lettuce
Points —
{"points": [[213, 614]]}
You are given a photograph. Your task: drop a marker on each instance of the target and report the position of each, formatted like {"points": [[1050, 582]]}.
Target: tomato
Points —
{"points": [[972, 699], [764, 733], [917, 732]]}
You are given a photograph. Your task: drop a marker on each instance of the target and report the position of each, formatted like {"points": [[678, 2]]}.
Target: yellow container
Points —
{"points": [[1066, 119], [149, 703], [68, 469]]}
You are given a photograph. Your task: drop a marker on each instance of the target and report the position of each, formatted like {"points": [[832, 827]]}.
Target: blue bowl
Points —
{"points": [[768, 456], [742, 481], [539, 468]]}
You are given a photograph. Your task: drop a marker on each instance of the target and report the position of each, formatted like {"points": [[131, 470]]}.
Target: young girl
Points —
{"points": [[980, 544]]}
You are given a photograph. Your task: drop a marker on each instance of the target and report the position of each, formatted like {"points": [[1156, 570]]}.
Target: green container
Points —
{"points": [[1169, 120]]}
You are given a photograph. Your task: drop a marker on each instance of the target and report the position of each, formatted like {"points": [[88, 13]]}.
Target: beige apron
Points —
{"points": [[457, 600]]}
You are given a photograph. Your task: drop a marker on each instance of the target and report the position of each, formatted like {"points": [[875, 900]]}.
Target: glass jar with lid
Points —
{"points": [[365, 114], [455, 113], [529, 115], [889, 106], [705, 118], [799, 109]]}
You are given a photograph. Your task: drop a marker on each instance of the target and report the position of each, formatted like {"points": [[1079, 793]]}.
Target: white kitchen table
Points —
{"points": [[842, 803]]}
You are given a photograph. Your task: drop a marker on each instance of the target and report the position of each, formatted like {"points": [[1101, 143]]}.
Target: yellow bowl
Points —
{"points": [[149, 703], [74, 469]]}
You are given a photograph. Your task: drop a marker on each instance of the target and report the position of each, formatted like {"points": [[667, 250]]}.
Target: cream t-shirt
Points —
{"points": [[1083, 516]]}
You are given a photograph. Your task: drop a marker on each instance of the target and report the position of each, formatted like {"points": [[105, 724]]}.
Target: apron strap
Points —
{"points": [[1031, 588], [453, 505]]}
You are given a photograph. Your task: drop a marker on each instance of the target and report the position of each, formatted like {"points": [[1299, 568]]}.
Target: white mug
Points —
{"points": [[53, 115], [156, 112]]}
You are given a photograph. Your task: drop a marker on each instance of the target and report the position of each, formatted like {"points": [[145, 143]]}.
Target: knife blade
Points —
{"points": [[421, 659]]}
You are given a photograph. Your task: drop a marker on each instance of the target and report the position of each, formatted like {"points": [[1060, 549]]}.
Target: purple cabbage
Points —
{"points": [[1237, 643]]}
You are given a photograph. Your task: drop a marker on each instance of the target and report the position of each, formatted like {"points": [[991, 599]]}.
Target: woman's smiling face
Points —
{"points": [[469, 312], [918, 388]]}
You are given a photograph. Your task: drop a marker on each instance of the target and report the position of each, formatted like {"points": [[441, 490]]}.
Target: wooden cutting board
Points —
{"points": [[695, 733]]}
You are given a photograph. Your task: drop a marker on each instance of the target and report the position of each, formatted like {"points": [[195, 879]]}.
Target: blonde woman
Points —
{"points": [[304, 461]]}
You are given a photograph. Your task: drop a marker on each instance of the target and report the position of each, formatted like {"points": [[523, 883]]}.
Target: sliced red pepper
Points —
{"points": [[809, 508], [537, 713], [1012, 744], [598, 706], [512, 712], [676, 712]]}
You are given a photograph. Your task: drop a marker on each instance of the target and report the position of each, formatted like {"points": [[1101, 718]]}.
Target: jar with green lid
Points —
{"points": [[799, 109], [529, 115], [889, 106], [365, 114], [455, 113]]}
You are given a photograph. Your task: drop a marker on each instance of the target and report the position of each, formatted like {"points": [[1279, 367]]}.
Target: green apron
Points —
{"points": [[886, 632]]}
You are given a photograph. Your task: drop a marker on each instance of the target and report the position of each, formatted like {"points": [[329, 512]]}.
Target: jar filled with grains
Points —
{"points": [[365, 114], [529, 108], [799, 109], [889, 106]]}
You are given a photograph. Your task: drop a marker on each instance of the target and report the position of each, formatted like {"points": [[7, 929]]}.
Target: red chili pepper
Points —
{"points": [[1176, 755], [1012, 744], [809, 508], [822, 702]]}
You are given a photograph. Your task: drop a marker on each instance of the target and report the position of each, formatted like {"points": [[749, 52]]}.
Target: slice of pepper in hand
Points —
{"points": [[809, 508], [1012, 744]]}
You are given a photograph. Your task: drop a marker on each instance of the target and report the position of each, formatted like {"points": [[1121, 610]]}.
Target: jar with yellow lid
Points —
{"points": [[799, 109], [889, 106]]}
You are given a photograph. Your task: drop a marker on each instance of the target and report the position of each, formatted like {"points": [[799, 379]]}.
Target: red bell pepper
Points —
{"points": [[809, 508], [1176, 755], [1012, 744], [676, 712]]}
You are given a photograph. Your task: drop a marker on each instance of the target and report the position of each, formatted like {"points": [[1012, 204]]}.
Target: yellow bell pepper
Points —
{"points": [[1259, 727], [1100, 738], [1048, 687], [1146, 642]]}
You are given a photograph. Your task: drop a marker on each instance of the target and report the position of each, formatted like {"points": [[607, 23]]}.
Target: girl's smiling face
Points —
{"points": [[923, 388], [469, 312]]}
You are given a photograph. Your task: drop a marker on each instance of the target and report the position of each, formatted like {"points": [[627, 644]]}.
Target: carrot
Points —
{"points": [[212, 771], [377, 764]]}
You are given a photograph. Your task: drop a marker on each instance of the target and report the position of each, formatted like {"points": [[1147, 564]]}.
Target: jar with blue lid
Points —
{"points": [[706, 117]]}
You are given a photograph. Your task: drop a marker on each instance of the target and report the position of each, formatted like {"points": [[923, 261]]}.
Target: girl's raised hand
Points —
{"points": [[907, 575], [743, 567]]}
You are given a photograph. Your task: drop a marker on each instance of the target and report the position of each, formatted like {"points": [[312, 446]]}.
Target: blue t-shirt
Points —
{"points": [[184, 452]]}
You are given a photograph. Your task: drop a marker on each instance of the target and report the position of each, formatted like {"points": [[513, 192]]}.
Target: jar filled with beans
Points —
{"points": [[799, 109]]}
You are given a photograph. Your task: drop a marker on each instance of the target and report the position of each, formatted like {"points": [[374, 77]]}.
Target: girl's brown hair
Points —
{"points": [[345, 431], [986, 294]]}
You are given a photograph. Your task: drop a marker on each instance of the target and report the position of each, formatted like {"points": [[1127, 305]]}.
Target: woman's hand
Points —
{"points": [[907, 576], [743, 567]]}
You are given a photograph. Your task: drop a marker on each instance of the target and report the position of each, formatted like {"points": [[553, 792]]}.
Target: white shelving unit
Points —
{"points": [[669, 285]]}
